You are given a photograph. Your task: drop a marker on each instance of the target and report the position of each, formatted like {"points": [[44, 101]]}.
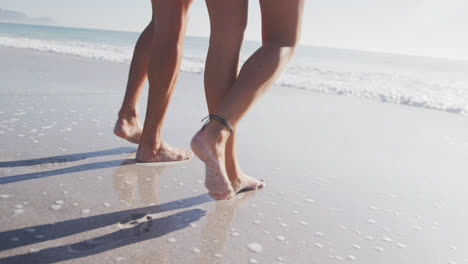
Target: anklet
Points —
{"points": [[221, 120]]}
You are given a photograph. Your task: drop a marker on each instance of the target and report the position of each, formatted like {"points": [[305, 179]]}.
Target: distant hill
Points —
{"points": [[11, 16]]}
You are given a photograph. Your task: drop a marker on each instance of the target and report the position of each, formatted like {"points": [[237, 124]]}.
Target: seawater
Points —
{"points": [[439, 84]]}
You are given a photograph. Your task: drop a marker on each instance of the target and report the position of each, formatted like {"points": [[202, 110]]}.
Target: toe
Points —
{"points": [[188, 154], [261, 184]]}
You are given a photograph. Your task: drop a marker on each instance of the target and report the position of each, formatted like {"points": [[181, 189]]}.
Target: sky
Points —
{"points": [[432, 28]]}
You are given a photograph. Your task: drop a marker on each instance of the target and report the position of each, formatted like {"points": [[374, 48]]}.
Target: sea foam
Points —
{"points": [[395, 84]]}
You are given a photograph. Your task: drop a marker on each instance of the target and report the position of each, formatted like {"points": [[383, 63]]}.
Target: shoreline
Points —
{"points": [[123, 66]]}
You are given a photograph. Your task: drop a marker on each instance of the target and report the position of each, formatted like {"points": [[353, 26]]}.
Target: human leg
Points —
{"points": [[281, 21], [228, 20], [128, 125], [171, 17]]}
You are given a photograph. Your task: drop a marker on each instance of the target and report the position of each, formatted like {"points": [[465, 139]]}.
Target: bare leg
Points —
{"points": [[228, 21], [170, 17], [128, 125], [281, 23]]}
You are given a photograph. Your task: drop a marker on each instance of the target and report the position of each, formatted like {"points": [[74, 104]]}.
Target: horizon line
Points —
{"points": [[460, 60]]}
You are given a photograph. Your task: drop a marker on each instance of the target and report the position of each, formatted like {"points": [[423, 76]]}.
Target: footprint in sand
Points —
{"points": [[137, 220]]}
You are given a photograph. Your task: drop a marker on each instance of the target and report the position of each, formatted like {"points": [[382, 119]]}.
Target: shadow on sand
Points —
{"points": [[134, 225], [63, 159], [141, 227]]}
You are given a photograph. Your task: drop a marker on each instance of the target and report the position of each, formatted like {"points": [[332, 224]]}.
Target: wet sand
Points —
{"points": [[347, 179]]}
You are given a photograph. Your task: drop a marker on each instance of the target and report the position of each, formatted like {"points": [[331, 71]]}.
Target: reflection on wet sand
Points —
{"points": [[218, 228], [130, 177], [133, 225]]}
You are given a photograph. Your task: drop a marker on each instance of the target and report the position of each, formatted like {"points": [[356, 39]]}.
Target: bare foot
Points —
{"points": [[211, 151], [164, 153], [246, 183], [129, 129]]}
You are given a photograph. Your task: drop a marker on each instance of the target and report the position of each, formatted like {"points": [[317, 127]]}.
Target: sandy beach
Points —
{"points": [[347, 179]]}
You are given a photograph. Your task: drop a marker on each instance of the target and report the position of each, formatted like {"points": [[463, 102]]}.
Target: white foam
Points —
{"points": [[380, 249], [417, 90], [318, 245], [280, 238], [424, 90], [85, 211], [255, 247], [5, 196], [401, 245], [55, 206], [82, 49], [172, 240], [387, 239]]}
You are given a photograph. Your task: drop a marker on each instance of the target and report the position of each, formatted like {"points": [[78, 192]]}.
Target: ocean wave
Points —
{"points": [[417, 90], [82, 49], [422, 90]]}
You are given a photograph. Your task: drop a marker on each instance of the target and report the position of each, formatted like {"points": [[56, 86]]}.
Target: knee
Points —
{"points": [[286, 49], [287, 41]]}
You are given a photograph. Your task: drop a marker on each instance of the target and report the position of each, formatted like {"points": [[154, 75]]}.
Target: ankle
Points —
{"points": [[150, 142], [128, 114], [217, 132]]}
